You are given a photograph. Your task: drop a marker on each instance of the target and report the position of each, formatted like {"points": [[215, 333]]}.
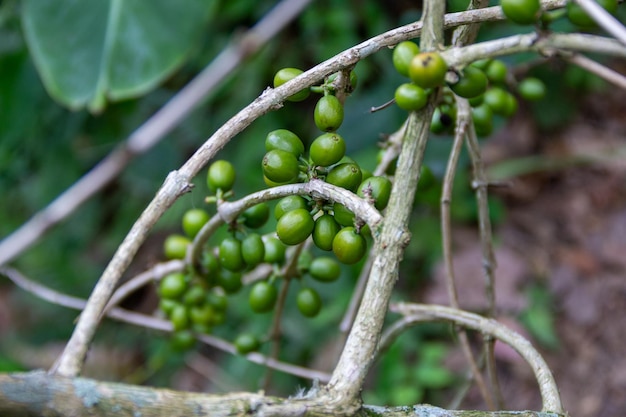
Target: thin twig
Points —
{"points": [[486, 238], [153, 130], [604, 19], [392, 147], [446, 198], [289, 271], [596, 68], [418, 313], [383, 106], [155, 273], [228, 211], [464, 387], [275, 330], [41, 291], [463, 121], [154, 323]]}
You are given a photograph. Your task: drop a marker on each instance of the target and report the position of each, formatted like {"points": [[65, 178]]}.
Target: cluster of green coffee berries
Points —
{"points": [[528, 12], [332, 225], [484, 83], [196, 300], [190, 301]]}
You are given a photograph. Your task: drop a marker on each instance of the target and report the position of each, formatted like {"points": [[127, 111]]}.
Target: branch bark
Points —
{"points": [[416, 313], [359, 352], [40, 394]]}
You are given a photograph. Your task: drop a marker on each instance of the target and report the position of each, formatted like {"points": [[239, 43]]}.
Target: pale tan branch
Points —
{"points": [[229, 210], [418, 313], [39, 393], [596, 68], [604, 19], [359, 352], [154, 273], [534, 42]]}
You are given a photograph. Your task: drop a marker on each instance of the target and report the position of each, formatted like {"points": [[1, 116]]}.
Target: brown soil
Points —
{"points": [[565, 229]]}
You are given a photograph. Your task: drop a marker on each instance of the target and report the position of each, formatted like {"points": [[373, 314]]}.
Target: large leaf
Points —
{"points": [[91, 52]]}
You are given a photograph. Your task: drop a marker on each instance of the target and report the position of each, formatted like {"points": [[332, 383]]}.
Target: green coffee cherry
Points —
{"points": [[328, 113], [221, 175], [287, 74]]}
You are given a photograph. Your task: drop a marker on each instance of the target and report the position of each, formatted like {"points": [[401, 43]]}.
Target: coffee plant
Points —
{"points": [[321, 217]]}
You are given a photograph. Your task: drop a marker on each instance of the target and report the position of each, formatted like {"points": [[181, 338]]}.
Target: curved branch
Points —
{"points": [[418, 313], [154, 273], [229, 210]]}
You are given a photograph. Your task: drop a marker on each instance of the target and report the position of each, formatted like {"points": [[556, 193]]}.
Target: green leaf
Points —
{"points": [[433, 377], [91, 52], [539, 321], [8, 364], [406, 395]]}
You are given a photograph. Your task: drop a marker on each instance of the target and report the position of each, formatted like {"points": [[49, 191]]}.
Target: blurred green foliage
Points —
{"points": [[88, 53], [539, 316], [44, 148]]}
